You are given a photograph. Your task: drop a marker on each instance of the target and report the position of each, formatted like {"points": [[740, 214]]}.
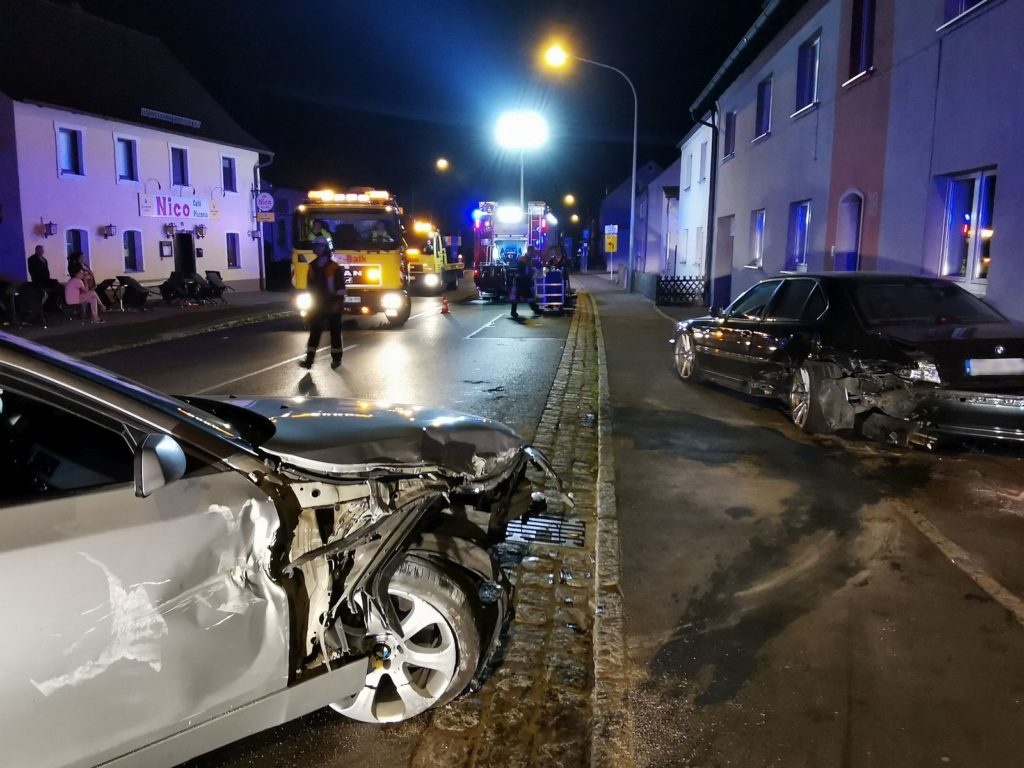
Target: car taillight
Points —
{"points": [[476, 273]]}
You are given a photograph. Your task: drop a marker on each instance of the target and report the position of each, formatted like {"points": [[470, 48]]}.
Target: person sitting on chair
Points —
{"points": [[78, 268], [76, 293], [379, 235]]}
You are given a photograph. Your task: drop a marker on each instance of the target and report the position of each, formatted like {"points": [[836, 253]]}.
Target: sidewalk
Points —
{"points": [[599, 282], [161, 322]]}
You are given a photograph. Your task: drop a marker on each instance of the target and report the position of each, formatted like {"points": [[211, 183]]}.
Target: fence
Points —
{"points": [[681, 291]]}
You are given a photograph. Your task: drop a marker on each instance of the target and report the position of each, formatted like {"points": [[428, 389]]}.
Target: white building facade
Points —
{"points": [[133, 199], [114, 150], [695, 161]]}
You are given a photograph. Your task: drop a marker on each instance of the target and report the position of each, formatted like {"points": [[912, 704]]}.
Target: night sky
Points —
{"points": [[371, 93]]}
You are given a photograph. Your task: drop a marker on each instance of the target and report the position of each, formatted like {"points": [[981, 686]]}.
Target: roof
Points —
{"points": [[61, 56], [862, 277], [773, 18]]}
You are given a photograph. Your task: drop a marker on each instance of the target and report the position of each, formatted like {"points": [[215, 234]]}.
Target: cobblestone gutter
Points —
{"points": [[557, 699]]}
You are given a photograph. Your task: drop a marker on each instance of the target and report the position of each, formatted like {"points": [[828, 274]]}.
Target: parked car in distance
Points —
{"points": [[903, 359], [180, 573]]}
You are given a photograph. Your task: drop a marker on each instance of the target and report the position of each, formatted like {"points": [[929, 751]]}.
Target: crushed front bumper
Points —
{"points": [[977, 415]]}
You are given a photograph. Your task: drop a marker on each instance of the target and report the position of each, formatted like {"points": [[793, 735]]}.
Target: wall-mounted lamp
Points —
{"points": [[200, 230], [48, 227], [170, 229], [145, 185], [255, 234], [182, 187], [222, 192], [109, 230]]}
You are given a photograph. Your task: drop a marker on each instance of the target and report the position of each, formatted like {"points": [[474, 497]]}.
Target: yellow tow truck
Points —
{"points": [[431, 267], [363, 230]]}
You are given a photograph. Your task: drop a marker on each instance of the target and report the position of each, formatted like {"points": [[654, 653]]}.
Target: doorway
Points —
{"points": [[846, 254], [184, 254], [721, 275]]}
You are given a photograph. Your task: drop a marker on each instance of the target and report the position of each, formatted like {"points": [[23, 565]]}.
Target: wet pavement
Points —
{"points": [[796, 601]]}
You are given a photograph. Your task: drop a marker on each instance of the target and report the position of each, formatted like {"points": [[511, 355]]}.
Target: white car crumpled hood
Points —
{"points": [[344, 436]]}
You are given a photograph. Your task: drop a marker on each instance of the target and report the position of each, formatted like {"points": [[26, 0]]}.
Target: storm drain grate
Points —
{"points": [[549, 530]]}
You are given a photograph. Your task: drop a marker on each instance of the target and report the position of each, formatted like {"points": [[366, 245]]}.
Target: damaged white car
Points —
{"points": [[181, 573]]}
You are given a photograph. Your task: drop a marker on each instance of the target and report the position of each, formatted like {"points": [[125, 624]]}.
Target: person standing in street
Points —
{"points": [[523, 283], [326, 284]]}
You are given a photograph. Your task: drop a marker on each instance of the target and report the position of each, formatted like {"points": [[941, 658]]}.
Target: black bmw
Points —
{"points": [[900, 358]]}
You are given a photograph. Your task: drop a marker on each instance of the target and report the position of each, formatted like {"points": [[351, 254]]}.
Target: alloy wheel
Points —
{"points": [[407, 673], [685, 356]]}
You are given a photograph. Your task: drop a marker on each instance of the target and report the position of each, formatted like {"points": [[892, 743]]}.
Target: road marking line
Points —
{"points": [[962, 559], [487, 325], [264, 370]]}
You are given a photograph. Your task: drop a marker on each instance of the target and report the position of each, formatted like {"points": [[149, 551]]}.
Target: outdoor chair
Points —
{"points": [[135, 295], [217, 285], [175, 290], [28, 304], [201, 290]]}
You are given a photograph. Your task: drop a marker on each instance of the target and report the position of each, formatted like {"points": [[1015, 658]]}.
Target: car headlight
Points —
{"points": [[304, 301], [431, 280], [391, 301], [921, 371]]}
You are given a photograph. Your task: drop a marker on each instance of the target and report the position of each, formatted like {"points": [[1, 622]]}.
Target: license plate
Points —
{"points": [[352, 299], [999, 366]]}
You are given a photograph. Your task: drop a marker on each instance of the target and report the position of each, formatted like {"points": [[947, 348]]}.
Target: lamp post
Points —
{"points": [[557, 56], [521, 130]]}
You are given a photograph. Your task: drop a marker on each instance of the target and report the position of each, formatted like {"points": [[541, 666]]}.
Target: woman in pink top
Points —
{"points": [[76, 292]]}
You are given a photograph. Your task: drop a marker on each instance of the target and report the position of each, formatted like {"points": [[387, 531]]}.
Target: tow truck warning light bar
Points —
{"points": [[330, 196]]}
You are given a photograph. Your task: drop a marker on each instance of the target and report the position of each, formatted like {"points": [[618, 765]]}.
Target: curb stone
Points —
{"points": [[562, 662], [612, 735]]}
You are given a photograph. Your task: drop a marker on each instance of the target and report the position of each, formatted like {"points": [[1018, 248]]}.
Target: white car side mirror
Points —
{"points": [[159, 461]]}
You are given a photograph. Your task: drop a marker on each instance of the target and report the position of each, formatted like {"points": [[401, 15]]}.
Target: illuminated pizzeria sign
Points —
{"points": [[176, 207]]}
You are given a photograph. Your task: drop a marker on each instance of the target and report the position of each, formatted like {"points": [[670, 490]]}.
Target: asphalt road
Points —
{"points": [[807, 602], [473, 359]]}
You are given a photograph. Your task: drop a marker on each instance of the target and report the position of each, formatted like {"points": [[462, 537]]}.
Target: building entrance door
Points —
{"points": [[721, 270], [184, 254]]}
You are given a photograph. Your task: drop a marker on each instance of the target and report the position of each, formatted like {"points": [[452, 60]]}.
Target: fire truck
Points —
{"points": [[363, 230], [501, 234], [432, 267]]}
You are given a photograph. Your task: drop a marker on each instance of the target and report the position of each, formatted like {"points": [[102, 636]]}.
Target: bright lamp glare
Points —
{"points": [[551, 219], [521, 130], [509, 214], [556, 55]]}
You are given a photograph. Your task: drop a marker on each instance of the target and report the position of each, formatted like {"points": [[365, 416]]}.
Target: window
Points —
{"points": [[757, 238], [751, 305], [729, 147], [70, 152], [77, 241], [234, 262], [970, 203], [689, 171], [791, 299], [132, 243], [698, 249], [703, 161], [796, 244], [59, 451], [179, 167], [862, 37], [227, 170], [763, 120], [126, 158], [685, 246], [807, 73], [954, 8]]}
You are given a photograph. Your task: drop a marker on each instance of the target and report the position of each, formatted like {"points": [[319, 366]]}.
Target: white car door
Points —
{"points": [[127, 619]]}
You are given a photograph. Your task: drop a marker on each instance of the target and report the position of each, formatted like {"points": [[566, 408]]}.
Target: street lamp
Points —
{"points": [[575, 219], [557, 56], [521, 130], [569, 199], [442, 164]]}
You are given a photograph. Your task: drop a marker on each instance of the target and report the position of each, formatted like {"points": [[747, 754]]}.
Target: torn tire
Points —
{"points": [[806, 393]]}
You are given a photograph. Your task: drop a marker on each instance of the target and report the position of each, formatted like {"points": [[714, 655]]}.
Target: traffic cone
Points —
{"points": [[444, 304]]}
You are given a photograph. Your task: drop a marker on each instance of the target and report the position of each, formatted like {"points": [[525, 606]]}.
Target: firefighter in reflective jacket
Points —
{"points": [[326, 284]]}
